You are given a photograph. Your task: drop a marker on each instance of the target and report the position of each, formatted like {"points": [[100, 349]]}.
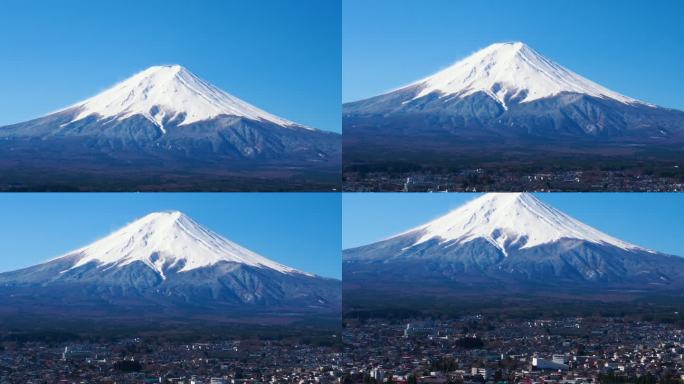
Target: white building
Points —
{"points": [[548, 364], [486, 373], [377, 374]]}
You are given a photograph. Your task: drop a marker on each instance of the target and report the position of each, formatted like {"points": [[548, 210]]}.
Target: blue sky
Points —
{"points": [[633, 47], [301, 230], [651, 220], [282, 56]]}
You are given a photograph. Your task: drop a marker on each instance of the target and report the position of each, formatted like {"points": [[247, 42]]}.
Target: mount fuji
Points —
{"points": [[167, 262], [509, 243], [505, 99], [165, 128], [509, 88]]}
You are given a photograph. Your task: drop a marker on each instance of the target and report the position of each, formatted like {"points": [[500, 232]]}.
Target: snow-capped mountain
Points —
{"points": [[168, 241], [509, 89], [169, 93], [165, 120], [167, 259], [513, 220], [506, 71], [511, 238]]}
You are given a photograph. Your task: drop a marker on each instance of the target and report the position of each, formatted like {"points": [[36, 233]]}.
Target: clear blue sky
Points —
{"points": [[301, 230], [651, 220], [635, 47], [282, 56]]}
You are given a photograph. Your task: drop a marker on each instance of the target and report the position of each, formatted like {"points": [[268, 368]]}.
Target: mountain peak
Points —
{"points": [[170, 215], [170, 67], [510, 71], [162, 220], [512, 219], [514, 46], [168, 240], [169, 93]]}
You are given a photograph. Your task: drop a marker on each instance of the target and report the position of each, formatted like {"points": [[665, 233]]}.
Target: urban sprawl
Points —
{"points": [[470, 349]]}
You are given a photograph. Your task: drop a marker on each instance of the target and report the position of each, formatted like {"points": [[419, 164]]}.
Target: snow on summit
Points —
{"points": [[512, 219], [168, 92], [511, 70], [168, 240]]}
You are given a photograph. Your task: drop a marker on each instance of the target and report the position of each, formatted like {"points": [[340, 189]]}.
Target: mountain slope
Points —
{"points": [[513, 241], [512, 71], [510, 89], [169, 93], [166, 120], [167, 260]]}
